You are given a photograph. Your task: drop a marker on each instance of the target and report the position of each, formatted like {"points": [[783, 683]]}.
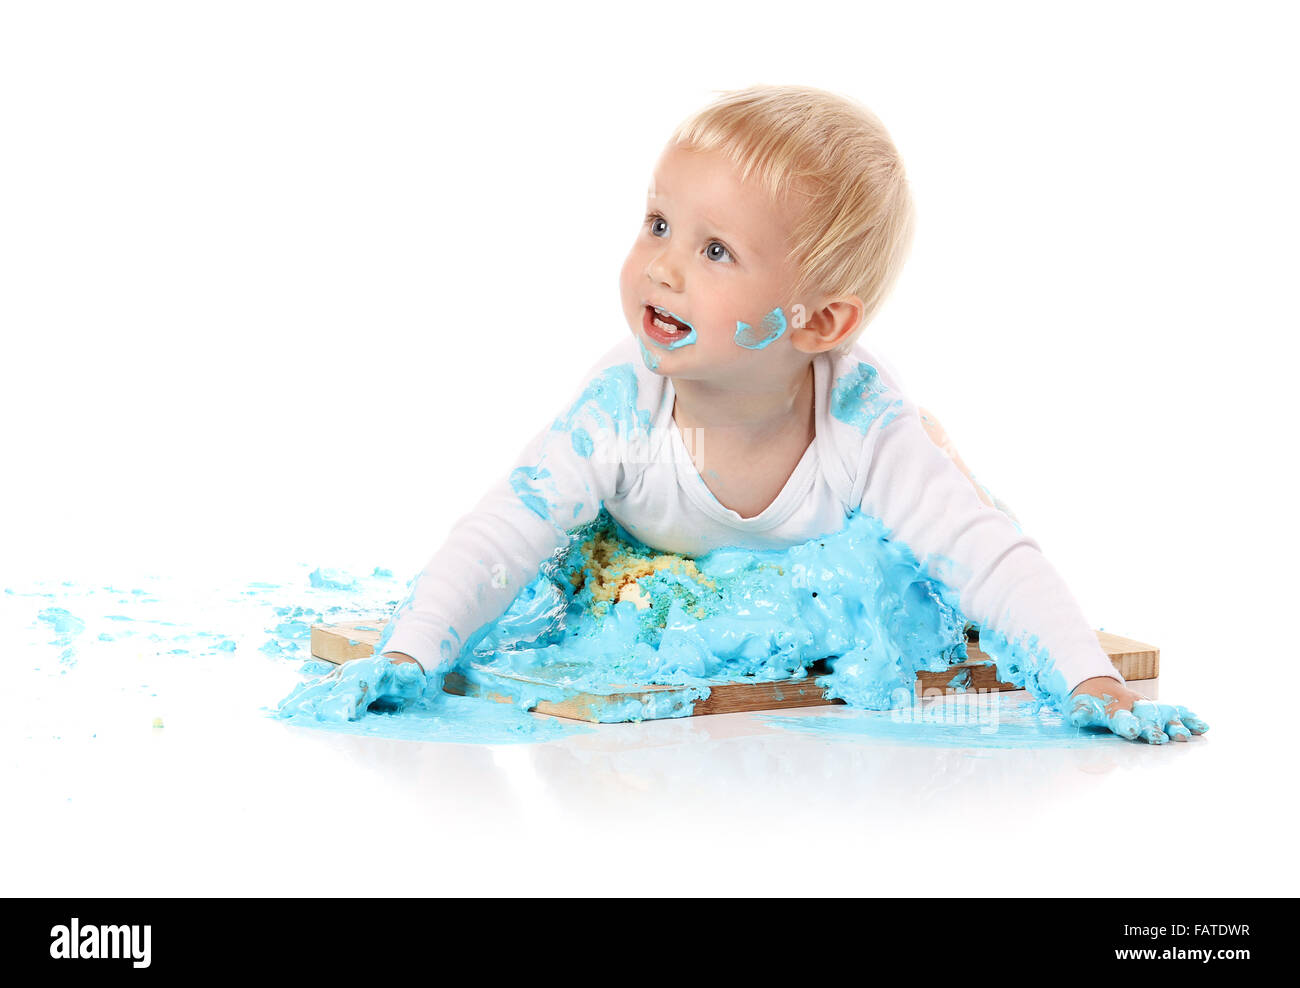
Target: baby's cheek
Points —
{"points": [[627, 277]]}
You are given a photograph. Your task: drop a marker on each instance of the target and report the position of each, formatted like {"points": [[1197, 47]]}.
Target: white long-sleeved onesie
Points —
{"points": [[616, 444]]}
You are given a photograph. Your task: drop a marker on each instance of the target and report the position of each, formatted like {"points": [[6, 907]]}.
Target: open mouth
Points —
{"points": [[665, 328]]}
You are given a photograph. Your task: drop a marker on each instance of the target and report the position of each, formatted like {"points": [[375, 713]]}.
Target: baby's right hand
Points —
{"points": [[1102, 702], [347, 692]]}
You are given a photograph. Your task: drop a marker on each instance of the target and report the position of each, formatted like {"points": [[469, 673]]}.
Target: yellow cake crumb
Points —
{"points": [[612, 574]]}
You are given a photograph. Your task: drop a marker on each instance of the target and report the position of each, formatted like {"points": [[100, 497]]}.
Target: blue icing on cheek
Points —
{"points": [[771, 329], [860, 397]]}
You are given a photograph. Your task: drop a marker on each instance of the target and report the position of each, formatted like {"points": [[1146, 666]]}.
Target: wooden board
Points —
{"points": [[340, 643]]}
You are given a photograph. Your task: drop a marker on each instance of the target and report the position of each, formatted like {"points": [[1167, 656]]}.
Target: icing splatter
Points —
{"points": [[330, 579]]}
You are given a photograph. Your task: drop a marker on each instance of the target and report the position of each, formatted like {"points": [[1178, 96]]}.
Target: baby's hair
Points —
{"points": [[837, 162]]}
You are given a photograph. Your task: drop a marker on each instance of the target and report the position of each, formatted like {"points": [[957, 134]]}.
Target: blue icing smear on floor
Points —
{"points": [[854, 609], [605, 610], [453, 720], [988, 722]]}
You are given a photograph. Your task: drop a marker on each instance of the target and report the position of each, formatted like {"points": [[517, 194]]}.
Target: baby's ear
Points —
{"points": [[826, 325]]}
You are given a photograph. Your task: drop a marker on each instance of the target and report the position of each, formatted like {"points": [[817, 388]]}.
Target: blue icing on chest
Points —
{"points": [[860, 397]]}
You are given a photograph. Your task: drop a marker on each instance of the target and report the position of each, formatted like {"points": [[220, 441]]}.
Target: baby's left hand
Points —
{"points": [[1105, 702], [374, 683]]}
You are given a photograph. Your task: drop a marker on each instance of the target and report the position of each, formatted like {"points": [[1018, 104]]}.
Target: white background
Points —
{"points": [[295, 282]]}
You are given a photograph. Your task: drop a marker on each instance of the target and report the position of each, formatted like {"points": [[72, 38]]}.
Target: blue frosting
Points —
{"points": [[771, 329], [854, 610], [651, 359], [329, 579], [860, 397], [524, 482], [608, 401], [609, 609]]}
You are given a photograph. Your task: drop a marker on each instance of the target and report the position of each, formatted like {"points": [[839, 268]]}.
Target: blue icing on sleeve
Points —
{"points": [[860, 397], [523, 480], [1026, 664], [608, 401], [582, 444]]}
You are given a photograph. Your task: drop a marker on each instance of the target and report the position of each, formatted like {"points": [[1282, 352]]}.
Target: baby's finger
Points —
{"points": [[1166, 713], [1088, 711], [1167, 721], [1125, 725], [1151, 722], [1153, 735], [1193, 723]]}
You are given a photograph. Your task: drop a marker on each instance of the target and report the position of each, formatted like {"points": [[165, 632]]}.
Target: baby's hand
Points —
{"points": [[376, 683], [1104, 702]]}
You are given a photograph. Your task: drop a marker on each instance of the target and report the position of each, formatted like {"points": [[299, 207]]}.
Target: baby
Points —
{"points": [[741, 413]]}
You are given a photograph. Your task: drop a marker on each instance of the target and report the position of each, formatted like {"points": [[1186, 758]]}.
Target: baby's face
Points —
{"points": [[713, 258]]}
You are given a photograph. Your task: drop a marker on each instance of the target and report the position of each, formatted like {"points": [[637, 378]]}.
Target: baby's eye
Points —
{"points": [[717, 252], [658, 226]]}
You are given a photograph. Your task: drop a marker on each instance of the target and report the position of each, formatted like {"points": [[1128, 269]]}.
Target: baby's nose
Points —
{"points": [[662, 270]]}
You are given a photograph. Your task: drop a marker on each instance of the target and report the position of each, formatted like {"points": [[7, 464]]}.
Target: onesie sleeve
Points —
{"points": [[1030, 622], [557, 483]]}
